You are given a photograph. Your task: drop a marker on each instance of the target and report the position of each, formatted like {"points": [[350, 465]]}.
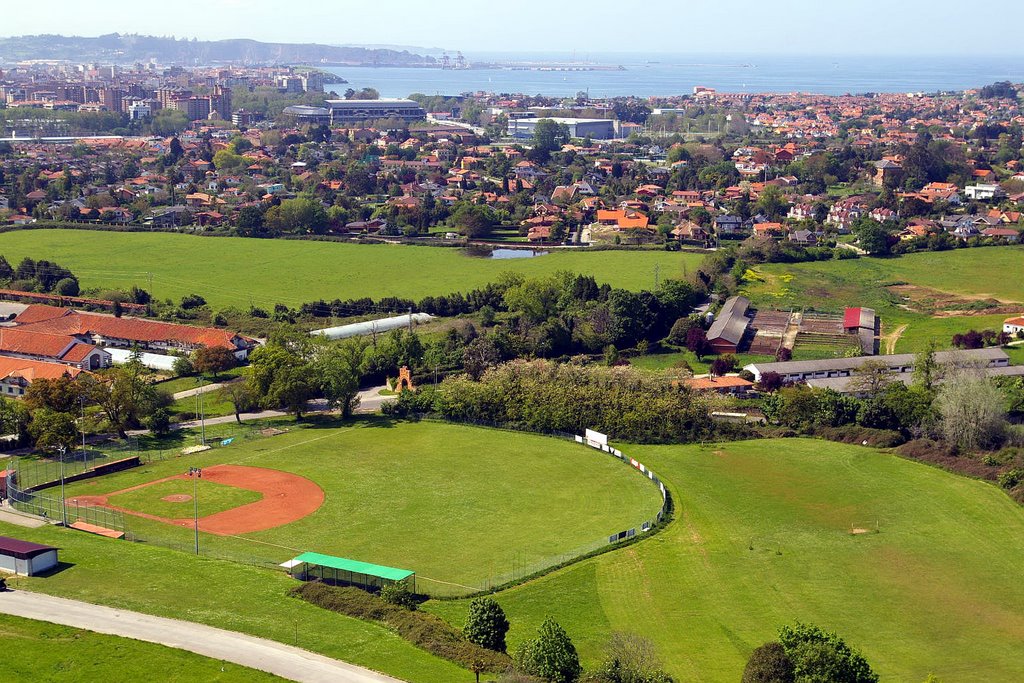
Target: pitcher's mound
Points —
{"points": [[177, 498]]}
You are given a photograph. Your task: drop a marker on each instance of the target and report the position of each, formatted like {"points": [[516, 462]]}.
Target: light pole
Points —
{"points": [[84, 458], [63, 508], [195, 473]]}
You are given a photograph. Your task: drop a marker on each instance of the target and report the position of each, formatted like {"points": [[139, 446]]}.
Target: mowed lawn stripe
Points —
{"points": [[762, 538], [234, 271]]}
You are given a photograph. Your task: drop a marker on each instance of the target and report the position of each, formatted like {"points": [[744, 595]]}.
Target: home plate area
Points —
{"points": [[286, 498]]}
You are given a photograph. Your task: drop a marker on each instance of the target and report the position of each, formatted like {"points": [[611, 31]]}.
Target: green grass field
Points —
{"points": [[968, 274], [213, 498], [464, 507], [230, 595], [763, 537], [37, 650], [241, 272]]}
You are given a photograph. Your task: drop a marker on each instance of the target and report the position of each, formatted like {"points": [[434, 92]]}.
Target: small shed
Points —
{"points": [[24, 557], [339, 570]]}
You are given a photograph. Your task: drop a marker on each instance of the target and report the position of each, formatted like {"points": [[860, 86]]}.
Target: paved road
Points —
{"points": [[205, 389], [256, 653]]}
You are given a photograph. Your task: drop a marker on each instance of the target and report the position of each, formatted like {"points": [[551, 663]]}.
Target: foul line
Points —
{"points": [[291, 445]]}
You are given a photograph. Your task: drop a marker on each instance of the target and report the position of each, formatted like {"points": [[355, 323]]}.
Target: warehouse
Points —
{"points": [[595, 129], [23, 557]]}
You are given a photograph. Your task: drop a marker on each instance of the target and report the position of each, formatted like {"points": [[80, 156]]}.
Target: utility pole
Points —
{"points": [[202, 414], [410, 318], [84, 458], [63, 507]]}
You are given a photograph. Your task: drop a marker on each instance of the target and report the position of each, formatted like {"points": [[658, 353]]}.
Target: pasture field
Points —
{"points": [[37, 650], [763, 537], [464, 507], [920, 297], [240, 272]]}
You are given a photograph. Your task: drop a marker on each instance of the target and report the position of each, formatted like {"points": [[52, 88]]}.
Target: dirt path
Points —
{"points": [[893, 337], [286, 661]]}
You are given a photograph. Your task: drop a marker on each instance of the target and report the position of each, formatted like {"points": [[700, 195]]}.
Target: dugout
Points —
{"points": [[23, 557], [341, 571]]}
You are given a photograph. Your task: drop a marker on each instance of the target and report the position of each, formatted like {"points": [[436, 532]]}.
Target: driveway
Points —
{"points": [[256, 653]]}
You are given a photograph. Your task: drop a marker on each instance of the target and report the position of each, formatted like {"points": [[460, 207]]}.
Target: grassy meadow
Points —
{"points": [[762, 537], [400, 494], [239, 272], [37, 650], [967, 275]]}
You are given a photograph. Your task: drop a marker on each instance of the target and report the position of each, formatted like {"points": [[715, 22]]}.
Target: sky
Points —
{"points": [[828, 27]]}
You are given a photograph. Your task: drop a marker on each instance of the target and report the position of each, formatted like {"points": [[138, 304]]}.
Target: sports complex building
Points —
{"points": [[342, 112]]}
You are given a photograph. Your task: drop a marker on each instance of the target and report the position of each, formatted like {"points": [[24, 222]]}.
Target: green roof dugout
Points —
{"points": [[340, 570]]}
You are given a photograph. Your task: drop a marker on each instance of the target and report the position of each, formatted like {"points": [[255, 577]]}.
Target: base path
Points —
{"points": [[286, 498], [256, 653]]}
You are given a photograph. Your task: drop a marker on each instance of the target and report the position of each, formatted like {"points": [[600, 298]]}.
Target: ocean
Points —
{"points": [[666, 75]]}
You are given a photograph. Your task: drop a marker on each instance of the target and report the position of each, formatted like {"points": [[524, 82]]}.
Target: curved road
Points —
{"points": [[256, 653]]}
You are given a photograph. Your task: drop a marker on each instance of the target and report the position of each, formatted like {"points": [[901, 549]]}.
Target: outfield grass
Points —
{"points": [[213, 498], [990, 272], [762, 538], [37, 650], [241, 272], [464, 507]]}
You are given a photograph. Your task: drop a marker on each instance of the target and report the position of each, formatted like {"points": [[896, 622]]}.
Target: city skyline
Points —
{"points": [[797, 27]]}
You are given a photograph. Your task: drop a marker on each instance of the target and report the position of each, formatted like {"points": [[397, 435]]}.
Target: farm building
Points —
{"points": [[17, 374], [849, 385], [24, 557], [806, 370], [1014, 325], [862, 322], [127, 333], [727, 331]]}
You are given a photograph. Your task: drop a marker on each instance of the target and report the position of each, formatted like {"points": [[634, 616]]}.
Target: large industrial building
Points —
{"points": [[595, 129], [343, 112], [347, 111]]}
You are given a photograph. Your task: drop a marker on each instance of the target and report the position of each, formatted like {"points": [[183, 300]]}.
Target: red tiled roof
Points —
{"points": [[726, 382], [35, 313], [134, 329], [32, 370], [17, 340]]}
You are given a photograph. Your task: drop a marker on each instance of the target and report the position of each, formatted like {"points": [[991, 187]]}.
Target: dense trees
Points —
{"points": [[972, 410], [544, 396]]}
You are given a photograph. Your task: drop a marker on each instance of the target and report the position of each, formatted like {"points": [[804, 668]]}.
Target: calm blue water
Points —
{"points": [[664, 75]]}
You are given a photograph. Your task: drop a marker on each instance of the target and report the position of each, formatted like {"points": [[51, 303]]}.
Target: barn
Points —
{"points": [[727, 331], [24, 557]]}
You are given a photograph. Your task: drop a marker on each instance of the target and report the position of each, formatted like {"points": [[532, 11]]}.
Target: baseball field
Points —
{"points": [[465, 508]]}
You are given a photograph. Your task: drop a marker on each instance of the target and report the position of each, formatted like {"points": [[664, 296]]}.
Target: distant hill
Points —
{"points": [[126, 49]]}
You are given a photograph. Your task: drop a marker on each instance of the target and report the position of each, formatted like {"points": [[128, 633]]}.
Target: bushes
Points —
{"points": [[854, 434], [425, 631]]}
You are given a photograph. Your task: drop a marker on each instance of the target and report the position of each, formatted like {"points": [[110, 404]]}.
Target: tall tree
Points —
{"points": [[486, 624], [551, 655]]}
